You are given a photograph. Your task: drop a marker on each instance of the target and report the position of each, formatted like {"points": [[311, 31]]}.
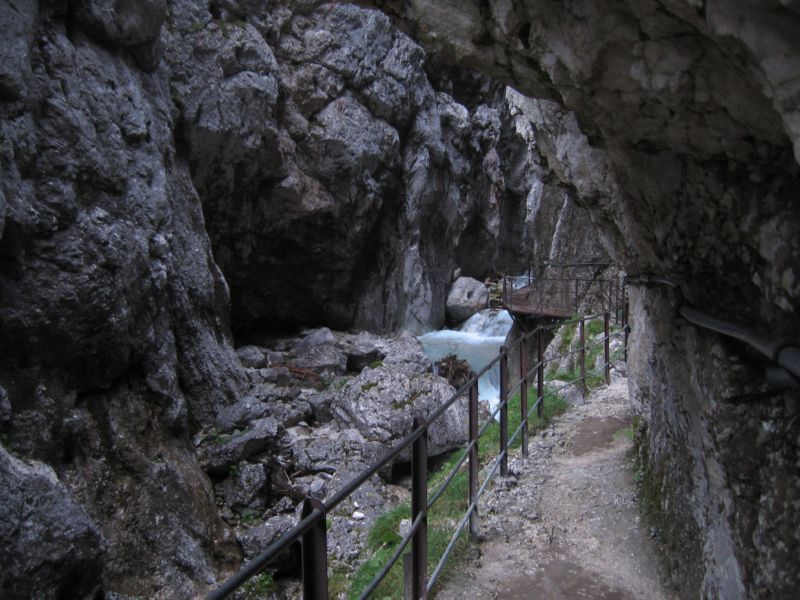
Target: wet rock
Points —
{"points": [[246, 488], [251, 357], [46, 537], [466, 297], [255, 540], [220, 457]]}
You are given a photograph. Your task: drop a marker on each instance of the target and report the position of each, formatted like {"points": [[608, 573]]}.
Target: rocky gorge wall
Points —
{"points": [[173, 172], [686, 156]]}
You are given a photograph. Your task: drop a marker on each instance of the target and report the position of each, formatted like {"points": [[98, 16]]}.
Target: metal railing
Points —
{"points": [[784, 354], [311, 530]]}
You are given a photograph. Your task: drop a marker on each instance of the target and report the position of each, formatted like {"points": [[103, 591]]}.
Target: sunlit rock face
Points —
{"points": [[688, 162]]}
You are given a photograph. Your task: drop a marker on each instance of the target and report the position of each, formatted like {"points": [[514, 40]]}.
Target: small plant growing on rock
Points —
{"points": [[259, 587], [250, 517]]}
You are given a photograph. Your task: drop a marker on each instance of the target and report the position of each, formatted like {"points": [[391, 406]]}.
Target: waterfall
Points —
{"points": [[477, 342]]}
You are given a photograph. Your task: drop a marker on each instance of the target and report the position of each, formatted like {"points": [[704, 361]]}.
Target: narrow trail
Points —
{"points": [[565, 523]]}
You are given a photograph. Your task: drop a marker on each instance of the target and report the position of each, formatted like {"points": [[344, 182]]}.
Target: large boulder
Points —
{"points": [[49, 547], [382, 403], [466, 297]]}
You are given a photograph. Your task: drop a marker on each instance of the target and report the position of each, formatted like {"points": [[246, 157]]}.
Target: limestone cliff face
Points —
{"points": [[688, 163], [164, 160], [344, 176]]}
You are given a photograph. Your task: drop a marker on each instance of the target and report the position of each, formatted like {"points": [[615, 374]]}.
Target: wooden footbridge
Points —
{"points": [[561, 298]]}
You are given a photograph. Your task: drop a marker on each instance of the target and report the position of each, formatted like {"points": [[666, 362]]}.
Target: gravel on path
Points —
{"points": [[565, 523]]}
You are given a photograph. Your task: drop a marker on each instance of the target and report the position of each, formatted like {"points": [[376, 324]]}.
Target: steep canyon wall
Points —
{"points": [[686, 155], [177, 172]]}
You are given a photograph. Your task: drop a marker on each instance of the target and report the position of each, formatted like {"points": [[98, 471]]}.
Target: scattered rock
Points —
{"points": [[239, 415], [361, 351], [279, 375], [246, 487], [221, 456], [313, 340], [570, 393], [251, 357], [255, 540]]}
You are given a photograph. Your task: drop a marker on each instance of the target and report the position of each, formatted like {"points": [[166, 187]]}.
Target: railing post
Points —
{"points": [[540, 372], [582, 353], [606, 346], [315, 554], [419, 506], [617, 288], [576, 296], [473, 458], [504, 410], [625, 326], [523, 393]]}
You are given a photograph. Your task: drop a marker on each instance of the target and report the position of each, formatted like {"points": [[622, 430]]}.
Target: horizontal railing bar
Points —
{"points": [[490, 475], [535, 404], [355, 483], [566, 385], [491, 418], [395, 556], [451, 475], [259, 562], [516, 433], [446, 554]]}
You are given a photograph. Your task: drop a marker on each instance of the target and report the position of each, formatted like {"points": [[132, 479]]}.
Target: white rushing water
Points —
{"points": [[477, 342]]}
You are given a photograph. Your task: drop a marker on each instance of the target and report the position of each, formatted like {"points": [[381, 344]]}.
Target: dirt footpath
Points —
{"points": [[565, 524]]}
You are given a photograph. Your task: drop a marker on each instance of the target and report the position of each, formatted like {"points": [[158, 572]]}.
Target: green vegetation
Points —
{"points": [[444, 516], [568, 332], [648, 482], [594, 377], [368, 386], [221, 438], [258, 587], [376, 364], [250, 517], [627, 433]]}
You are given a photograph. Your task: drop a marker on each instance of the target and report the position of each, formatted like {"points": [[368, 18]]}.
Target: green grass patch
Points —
{"points": [[568, 332], [446, 513], [258, 587]]}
